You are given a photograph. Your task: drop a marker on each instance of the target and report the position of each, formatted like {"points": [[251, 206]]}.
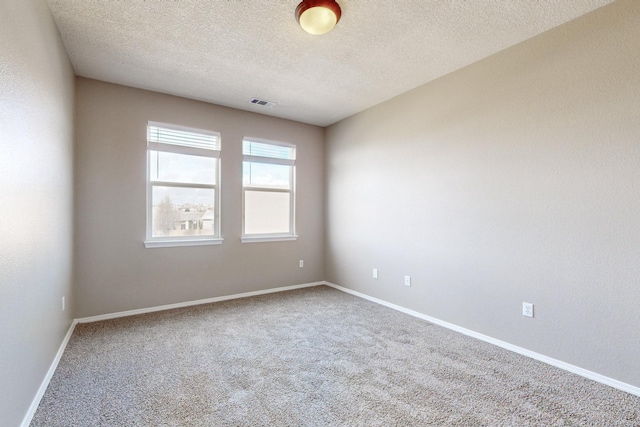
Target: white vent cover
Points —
{"points": [[262, 102]]}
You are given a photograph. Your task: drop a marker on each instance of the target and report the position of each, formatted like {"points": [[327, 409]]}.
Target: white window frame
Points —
{"points": [[173, 241], [271, 237]]}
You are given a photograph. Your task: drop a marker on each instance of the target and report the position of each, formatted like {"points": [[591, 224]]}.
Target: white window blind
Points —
{"points": [[205, 140], [268, 150]]}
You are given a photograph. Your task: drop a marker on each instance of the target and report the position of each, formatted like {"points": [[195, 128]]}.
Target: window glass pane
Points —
{"points": [[266, 212], [266, 175], [252, 148], [184, 168], [182, 211]]}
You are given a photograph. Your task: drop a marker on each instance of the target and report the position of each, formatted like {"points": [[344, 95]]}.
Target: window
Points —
{"points": [[183, 191], [268, 183]]}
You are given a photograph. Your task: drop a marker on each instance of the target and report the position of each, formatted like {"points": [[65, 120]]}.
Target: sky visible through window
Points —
{"points": [[182, 168], [266, 174]]}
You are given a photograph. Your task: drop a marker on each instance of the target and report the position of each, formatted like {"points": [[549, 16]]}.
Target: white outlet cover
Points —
{"points": [[301, 263], [407, 280], [527, 309], [375, 273]]}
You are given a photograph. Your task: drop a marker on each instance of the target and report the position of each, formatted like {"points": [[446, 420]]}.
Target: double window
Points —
{"points": [[183, 192], [268, 190], [183, 188]]}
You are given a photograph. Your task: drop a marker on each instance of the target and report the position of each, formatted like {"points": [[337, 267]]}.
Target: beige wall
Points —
{"points": [[114, 272], [36, 163], [514, 179]]}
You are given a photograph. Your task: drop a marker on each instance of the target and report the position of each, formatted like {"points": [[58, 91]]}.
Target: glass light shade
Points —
{"points": [[318, 20], [318, 16]]}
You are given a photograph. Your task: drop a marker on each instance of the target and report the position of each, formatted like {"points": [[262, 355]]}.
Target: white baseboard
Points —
{"points": [[523, 351], [190, 303], [45, 382], [537, 356]]}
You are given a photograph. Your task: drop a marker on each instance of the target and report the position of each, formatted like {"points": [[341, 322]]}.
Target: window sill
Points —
{"points": [[178, 243], [257, 239]]}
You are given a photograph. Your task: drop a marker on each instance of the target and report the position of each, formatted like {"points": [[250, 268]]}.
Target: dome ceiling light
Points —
{"points": [[318, 16]]}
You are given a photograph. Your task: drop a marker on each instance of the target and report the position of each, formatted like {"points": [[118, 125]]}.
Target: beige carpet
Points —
{"points": [[310, 357]]}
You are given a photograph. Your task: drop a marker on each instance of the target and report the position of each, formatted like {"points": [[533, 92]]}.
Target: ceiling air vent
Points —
{"points": [[262, 102]]}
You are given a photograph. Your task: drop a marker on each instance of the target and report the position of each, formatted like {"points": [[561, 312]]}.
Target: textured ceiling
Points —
{"points": [[229, 51]]}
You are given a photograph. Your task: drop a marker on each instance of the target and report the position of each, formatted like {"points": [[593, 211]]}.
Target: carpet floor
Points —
{"points": [[309, 357]]}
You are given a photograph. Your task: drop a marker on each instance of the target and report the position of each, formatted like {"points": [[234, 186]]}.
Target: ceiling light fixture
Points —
{"points": [[318, 16]]}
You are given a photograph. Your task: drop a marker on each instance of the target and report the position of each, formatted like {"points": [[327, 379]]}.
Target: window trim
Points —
{"points": [[177, 241], [271, 237]]}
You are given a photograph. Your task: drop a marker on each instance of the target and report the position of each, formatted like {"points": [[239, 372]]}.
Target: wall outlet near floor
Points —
{"points": [[527, 309], [407, 280], [375, 273], [64, 304], [301, 263]]}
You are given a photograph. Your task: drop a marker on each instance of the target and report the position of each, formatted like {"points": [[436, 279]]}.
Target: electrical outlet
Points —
{"points": [[375, 273], [527, 309], [64, 304], [301, 263], [407, 280]]}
